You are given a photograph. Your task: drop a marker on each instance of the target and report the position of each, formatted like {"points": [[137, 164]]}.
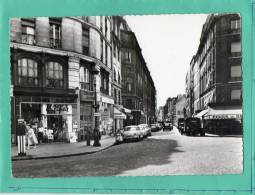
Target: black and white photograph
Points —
{"points": [[133, 95]]}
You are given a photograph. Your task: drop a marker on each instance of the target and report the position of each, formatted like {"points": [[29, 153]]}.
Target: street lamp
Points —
{"points": [[96, 134]]}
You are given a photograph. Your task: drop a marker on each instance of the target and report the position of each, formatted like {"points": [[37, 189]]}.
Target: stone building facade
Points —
{"points": [[57, 67], [138, 90], [216, 75]]}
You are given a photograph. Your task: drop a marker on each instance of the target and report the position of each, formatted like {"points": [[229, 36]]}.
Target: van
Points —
{"points": [[193, 126]]}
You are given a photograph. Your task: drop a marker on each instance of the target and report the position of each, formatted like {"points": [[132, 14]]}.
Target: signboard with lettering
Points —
{"points": [[56, 108]]}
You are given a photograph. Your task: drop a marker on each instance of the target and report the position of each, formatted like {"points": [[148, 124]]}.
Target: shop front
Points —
{"points": [[55, 119], [119, 116], [224, 121]]}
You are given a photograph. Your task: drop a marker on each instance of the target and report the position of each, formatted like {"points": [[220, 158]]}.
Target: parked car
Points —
{"points": [[154, 127], [146, 130], [132, 133], [167, 126], [193, 126], [181, 125]]}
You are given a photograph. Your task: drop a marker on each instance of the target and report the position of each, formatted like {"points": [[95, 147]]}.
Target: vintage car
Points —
{"points": [[132, 132], [181, 125], [193, 126], [167, 126], [146, 130], [154, 127]]}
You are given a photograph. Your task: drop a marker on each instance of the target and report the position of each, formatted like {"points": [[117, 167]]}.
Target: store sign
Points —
{"points": [[87, 95], [56, 108], [96, 114]]}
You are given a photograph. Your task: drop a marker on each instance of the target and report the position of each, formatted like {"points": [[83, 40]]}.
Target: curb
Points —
{"points": [[16, 158]]}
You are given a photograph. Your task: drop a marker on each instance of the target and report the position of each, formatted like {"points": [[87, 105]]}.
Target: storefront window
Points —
{"points": [[27, 72], [54, 75]]}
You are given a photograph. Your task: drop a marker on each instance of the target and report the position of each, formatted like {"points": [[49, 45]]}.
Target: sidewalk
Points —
{"points": [[55, 150]]}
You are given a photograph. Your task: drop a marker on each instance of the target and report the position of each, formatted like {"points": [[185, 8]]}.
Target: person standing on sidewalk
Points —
{"points": [[32, 140], [21, 136]]}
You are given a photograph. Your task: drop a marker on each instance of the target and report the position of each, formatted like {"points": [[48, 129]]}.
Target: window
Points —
{"points": [[127, 56], [55, 33], [235, 24], [119, 97], [114, 49], [27, 72], [114, 75], [106, 27], [236, 49], [28, 31], [85, 78], [85, 41], [106, 54], [102, 49], [119, 80], [104, 81], [129, 87], [236, 94], [101, 23], [54, 75], [236, 71], [115, 96]]}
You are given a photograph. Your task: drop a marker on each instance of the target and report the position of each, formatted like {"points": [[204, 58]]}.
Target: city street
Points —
{"points": [[164, 153]]}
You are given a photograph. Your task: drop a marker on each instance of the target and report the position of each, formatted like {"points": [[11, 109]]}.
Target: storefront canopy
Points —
{"points": [[118, 114], [127, 110], [202, 113], [224, 113]]}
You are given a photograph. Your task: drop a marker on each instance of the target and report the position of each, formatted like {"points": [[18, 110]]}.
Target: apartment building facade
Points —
{"points": [[57, 67]]}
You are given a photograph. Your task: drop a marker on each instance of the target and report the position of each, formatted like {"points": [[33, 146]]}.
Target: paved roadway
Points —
{"points": [[164, 153]]}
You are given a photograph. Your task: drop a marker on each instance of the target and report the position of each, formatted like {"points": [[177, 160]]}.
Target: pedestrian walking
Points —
{"points": [[32, 140], [21, 136], [40, 134]]}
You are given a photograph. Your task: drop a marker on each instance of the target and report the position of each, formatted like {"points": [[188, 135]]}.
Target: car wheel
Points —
{"points": [[202, 134]]}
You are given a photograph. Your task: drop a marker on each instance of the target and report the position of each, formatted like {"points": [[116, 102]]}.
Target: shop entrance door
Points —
{"points": [[55, 122]]}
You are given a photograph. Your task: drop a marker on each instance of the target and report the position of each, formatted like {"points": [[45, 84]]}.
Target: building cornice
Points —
{"points": [[39, 49]]}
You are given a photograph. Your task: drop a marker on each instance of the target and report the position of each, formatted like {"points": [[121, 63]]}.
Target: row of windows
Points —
{"points": [[235, 95], [28, 34], [28, 73], [115, 77]]}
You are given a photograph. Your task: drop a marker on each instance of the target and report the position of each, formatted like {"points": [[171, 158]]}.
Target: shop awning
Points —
{"points": [[127, 110], [224, 113], [118, 114], [202, 113]]}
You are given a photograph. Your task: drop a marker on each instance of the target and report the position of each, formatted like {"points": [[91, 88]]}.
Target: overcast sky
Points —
{"points": [[168, 43]]}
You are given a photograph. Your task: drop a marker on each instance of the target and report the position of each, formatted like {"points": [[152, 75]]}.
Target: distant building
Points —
{"points": [[180, 107], [170, 109], [216, 75], [138, 90], [160, 114]]}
